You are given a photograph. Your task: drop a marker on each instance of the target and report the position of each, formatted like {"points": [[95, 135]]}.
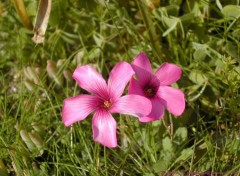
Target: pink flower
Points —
{"points": [[156, 87], [105, 99]]}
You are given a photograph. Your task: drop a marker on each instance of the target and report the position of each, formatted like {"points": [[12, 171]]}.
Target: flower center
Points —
{"points": [[149, 91], [106, 104]]}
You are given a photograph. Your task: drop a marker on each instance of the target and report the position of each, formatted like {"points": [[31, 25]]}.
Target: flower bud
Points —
{"points": [[27, 140], [38, 70], [39, 129], [37, 140], [51, 69], [60, 63], [29, 85], [31, 73], [52, 72], [78, 58], [26, 74], [68, 76]]}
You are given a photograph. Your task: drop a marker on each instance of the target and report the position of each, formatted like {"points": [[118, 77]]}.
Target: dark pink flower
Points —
{"points": [[105, 99], [156, 87]]}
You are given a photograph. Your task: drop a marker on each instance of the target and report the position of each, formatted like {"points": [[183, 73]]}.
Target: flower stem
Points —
{"points": [[171, 126], [154, 38], [167, 127]]}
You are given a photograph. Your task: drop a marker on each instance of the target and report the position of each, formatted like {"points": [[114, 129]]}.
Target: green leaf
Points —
{"points": [[171, 10], [161, 165], [180, 136], [149, 174], [200, 54], [99, 40], [173, 2], [232, 50], [94, 53], [233, 145], [219, 4], [205, 164], [187, 18], [167, 144], [164, 162], [166, 156], [171, 23], [197, 77], [231, 12], [236, 33], [185, 154]]}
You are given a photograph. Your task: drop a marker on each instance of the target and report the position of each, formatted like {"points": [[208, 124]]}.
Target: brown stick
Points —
{"points": [[22, 12], [44, 9]]}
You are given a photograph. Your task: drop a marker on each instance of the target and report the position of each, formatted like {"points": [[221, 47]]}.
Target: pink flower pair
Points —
{"points": [[148, 96]]}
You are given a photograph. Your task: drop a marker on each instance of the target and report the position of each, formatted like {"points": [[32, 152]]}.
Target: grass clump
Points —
{"points": [[200, 36]]}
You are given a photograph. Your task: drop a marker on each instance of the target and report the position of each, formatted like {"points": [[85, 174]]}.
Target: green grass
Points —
{"points": [[201, 37]]}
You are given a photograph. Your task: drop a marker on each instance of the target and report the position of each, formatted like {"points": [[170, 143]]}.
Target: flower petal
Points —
{"points": [[133, 105], [143, 69], [78, 108], [156, 113], [168, 74], [104, 128], [118, 79], [89, 79], [135, 88], [172, 99]]}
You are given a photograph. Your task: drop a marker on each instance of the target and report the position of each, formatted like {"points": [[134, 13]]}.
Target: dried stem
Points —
{"points": [[44, 9], [22, 12]]}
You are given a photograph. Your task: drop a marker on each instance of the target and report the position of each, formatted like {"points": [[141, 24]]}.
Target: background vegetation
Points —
{"points": [[201, 36]]}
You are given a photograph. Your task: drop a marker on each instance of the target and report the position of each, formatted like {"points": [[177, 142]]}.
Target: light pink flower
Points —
{"points": [[105, 99], [156, 87]]}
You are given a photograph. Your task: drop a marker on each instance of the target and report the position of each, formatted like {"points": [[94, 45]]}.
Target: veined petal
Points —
{"points": [[135, 88], [78, 108], [172, 99], [143, 69], [156, 113], [89, 79], [168, 74], [133, 105], [104, 128], [118, 79]]}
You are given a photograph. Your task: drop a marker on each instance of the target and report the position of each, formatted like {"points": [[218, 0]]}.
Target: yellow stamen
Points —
{"points": [[106, 104]]}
